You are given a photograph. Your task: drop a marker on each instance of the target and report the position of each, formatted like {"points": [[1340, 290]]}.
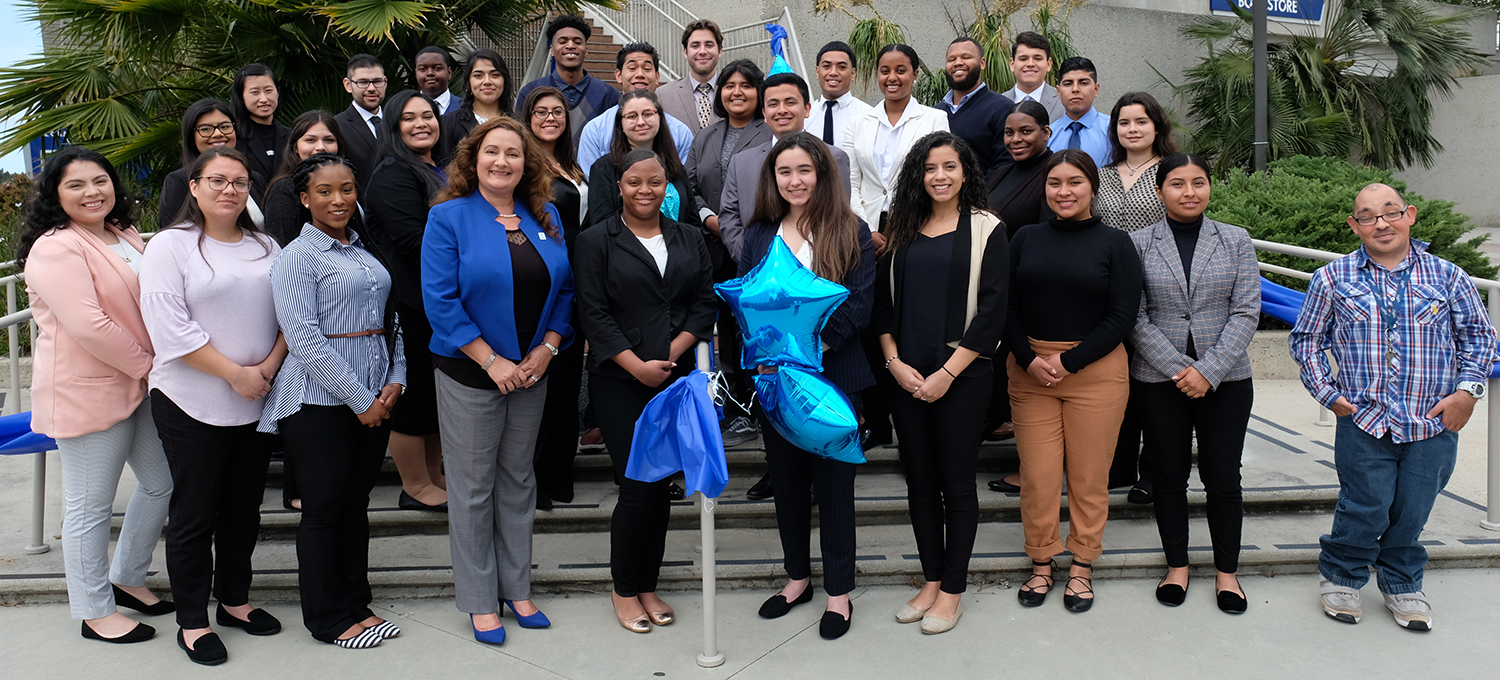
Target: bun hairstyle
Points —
{"points": [[1179, 160], [1036, 111], [44, 211]]}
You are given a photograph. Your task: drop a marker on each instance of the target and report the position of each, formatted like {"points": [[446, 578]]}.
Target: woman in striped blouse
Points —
{"points": [[332, 397]]}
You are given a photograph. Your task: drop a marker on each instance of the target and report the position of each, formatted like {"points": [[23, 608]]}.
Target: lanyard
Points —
{"points": [[1389, 305]]}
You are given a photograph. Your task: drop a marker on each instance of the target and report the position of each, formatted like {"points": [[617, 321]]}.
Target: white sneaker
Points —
{"points": [[1340, 603], [1411, 609]]}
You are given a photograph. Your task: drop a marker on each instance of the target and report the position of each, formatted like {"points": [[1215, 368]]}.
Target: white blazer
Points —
{"points": [[868, 190]]}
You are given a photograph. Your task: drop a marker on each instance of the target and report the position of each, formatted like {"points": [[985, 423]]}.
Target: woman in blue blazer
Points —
{"points": [[1191, 369], [499, 294], [800, 200]]}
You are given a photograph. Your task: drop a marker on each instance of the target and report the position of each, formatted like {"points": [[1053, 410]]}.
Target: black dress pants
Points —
{"points": [[337, 460], [1220, 418], [1131, 465], [213, 520], [939, 444], [794, 473], [557, 437], [999, 409], [638, 527]]}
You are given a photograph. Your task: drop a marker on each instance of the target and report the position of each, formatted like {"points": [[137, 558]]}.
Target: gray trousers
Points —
{"points": [[91, 467], [489, 440]]}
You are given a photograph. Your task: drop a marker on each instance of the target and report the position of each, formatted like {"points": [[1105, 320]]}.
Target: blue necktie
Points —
{"points": [[1077, 140]]}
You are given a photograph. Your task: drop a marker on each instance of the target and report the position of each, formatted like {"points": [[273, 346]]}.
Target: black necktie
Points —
{"points": [[828, 121], [375, 121]]}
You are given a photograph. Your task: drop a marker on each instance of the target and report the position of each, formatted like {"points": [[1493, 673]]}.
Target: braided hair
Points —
{"points": [[305, 169]]}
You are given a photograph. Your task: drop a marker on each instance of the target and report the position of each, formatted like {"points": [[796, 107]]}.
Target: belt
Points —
{"points": [[358, 334]]}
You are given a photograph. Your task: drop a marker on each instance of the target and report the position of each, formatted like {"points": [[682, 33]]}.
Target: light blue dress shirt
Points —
{"points": [[1095, 136], [594, 142]]}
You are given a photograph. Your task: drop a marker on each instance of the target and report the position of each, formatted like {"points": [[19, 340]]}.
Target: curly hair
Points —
{"points": [[44, 210], [911, 207], [535, 188]]}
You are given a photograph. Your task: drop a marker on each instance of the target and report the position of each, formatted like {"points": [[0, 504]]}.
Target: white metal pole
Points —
{"points": [[1492, 515], [38, 504], [711, 656]]}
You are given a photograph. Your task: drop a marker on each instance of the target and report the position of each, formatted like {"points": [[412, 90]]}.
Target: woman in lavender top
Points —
{"points": [[206, 301]]}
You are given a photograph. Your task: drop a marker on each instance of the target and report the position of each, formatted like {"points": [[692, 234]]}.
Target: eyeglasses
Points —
{"points": [[362, 84], [544, 114], [1389, 218], [647, 116], [217, 183], [205, 131]]}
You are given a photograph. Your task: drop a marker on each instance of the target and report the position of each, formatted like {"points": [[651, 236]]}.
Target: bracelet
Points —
{"points": [[489, 361], [888, 361], [950, 373]]}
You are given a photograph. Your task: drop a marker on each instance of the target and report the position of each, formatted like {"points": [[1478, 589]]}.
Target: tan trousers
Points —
{"points": [[1069, 429]]}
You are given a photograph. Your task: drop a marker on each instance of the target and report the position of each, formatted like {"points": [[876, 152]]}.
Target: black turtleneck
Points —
{"points": [[1186, 236], [1072, 280], [1017, 193]]}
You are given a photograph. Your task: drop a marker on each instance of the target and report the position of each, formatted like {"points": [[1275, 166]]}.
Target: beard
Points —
{"points": [[968, 83]]}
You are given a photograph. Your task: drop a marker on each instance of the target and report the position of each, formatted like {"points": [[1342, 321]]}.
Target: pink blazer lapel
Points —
{"points": [[127, 275]]}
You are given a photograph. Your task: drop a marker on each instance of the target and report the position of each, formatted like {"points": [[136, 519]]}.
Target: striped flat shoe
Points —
{"points": [[366, 639]]}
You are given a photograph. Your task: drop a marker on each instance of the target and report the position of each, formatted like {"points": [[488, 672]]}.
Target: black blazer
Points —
{"points": [[605, 201], [988, 325], [363, 149], [174, 192], [453, 127], [396, 205], [844, 363], [264, 151], [625, 303], [703, 164]]}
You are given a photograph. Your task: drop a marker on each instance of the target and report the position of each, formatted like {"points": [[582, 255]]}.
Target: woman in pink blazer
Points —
{"points": [[81, 254]]}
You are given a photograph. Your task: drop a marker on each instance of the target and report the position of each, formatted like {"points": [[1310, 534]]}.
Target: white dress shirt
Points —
{"points": [[845, 109], [445, 101], [367, 115], [1017, 96], [888, 152]]}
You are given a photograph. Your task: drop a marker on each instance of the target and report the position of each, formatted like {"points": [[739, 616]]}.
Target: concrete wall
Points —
{"points": [[1468, 126]]}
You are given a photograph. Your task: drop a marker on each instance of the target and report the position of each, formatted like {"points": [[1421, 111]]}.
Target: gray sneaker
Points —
{"points": [[1340, 603], [1411, 609], [739, 431]]}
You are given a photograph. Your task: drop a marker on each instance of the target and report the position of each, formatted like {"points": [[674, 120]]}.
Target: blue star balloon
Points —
{"points": [[781, 307], [811, 413]]}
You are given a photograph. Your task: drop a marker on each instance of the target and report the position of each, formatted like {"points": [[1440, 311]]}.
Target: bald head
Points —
{"points": [[1383, 220], [1377, 199]]}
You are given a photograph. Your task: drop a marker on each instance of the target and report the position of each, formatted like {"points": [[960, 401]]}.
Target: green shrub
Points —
{"points": [[1303, 201]]}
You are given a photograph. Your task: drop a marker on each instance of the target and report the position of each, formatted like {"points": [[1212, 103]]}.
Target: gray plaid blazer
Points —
{"points": [[1221, 305]]}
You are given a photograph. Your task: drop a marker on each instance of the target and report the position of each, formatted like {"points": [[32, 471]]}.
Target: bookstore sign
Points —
{"points": [[1309, 11]]}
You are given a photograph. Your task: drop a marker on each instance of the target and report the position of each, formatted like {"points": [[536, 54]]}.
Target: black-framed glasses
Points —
{"points": [[364, 83], [544, 114], [1389, 218], [217, 183], [205, 130]]}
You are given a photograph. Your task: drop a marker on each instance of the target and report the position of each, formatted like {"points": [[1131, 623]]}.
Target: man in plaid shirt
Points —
{"points": [[1414, 347]]}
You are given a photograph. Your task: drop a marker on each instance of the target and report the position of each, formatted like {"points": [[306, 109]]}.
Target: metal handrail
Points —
{"points": [[1491, 520]]}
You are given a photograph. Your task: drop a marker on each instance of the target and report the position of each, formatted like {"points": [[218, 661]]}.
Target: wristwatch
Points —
{"points": [[1474, 388], [550, 347]]}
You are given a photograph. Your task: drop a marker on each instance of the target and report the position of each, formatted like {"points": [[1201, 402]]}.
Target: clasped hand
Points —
{"points": [[1047, 370]]}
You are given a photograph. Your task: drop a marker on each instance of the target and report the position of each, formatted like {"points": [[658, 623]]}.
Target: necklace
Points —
{"points": [[1138, 168], [509, 216]]}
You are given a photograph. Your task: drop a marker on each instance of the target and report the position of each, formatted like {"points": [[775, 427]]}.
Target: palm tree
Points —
{"points": [[129, 68], [1361, 89]]}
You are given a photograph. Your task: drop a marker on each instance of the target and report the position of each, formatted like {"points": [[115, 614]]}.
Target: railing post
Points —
{"points": [[13, 401], [711, 656], [1323, 419], [13, 405], [1492, 433]]}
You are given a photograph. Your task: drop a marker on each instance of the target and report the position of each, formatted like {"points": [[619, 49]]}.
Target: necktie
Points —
{"points": [[705, 103], [828, 121], [375, 121], [1077, 130]]}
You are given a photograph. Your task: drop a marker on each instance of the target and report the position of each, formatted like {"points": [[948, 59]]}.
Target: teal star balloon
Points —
{"points": [[781, 307]]}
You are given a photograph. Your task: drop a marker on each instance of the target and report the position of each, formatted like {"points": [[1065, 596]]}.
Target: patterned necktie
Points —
{"points": [[828, 121], [705, 103], [1077, 130]]}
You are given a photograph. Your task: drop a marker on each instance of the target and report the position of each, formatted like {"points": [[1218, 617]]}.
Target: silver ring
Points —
{"points": [[532, 378], [1049, 384]]}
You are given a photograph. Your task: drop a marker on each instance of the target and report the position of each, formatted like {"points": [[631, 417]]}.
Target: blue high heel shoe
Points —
{"points": [[489, 637], [537, 620]]}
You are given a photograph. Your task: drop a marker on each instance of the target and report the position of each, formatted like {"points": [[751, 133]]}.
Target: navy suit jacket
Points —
{"points": [[844, 362], [468, 286]]}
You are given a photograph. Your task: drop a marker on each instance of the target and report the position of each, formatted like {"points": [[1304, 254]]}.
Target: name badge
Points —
{"points": [[541, 236]]}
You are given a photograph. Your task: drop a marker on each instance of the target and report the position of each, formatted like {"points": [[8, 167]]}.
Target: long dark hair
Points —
{"points": [[832, 224], [191, 214], [1162, 145], [535, 187], [242, 117], [563, 150], [663, 145], [391, 143], [507, 100], [289, 157], [44, 211], [751, 73], [911, 207], [197, 110]]}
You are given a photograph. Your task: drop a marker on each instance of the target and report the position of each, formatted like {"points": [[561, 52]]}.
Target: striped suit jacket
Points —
{"points": [[1220, 305]]}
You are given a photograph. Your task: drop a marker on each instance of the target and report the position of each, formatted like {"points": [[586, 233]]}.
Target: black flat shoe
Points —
{"points": [[1002, 486], [207, 650], [140, 633], [261, 622], [406, 502], [1028, 593], [1139, 494], [543, 501], [1073, 601], [869, 439], [675, 492], [761, 490], [777, 606], [125, 599], [834, 625], [1231, 602], [1170, 594]]}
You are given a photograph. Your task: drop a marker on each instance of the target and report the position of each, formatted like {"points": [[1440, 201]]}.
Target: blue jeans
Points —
{"points": [[1386, 492]]}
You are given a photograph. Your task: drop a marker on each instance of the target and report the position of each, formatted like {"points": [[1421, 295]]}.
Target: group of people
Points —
{"points": [[421, 273]]}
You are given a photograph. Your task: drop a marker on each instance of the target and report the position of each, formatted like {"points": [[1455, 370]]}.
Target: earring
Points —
{"points": [[306, 205]]}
